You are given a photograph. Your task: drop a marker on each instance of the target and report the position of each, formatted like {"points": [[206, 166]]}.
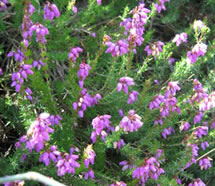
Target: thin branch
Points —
{"points": [[31, 176]]}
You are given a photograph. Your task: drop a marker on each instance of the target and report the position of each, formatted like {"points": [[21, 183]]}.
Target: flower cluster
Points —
{"points": [[167, 103], [83, 72], [67, 163], [84, 101], [201, 131], [37, 134], [89, 155], [194, 153], [119, 144], [132, 97], [154, 49], [204, 145], [167, 132], [3, 4], [205, 163], [180, 38], [41, 32], [74, 53], [123, 84], [197, 182], [198, 50], [51, 154], [132, 122], [38, 64], [198, 26], [149, 169], [18, 77], [134, 28], [50, 11], [185, 126], [89, 174], [117, 49], [160, 6], [127, 165], [100, 124]]}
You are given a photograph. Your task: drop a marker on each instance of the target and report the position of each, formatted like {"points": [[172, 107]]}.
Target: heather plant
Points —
{"points": [[95, 95]]}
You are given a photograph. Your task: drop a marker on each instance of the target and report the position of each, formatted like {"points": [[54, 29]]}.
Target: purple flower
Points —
{"points": [[204, 163], [198, 117], [171, 61], [50, 11], [167, 132], [28, 93], [100, 123], [172, 89], [185, 126], [198, 25], [74, 9], [117, 49], [38, 64], [3, 4], [132, 122], [119, 144], [89, 174], [149, 169], [89, 155], [160, 5], [204, 145], [155, 49], [197, 182], [180, 38], [201, 131], [17, 182], [41, 32], [99, 1], [67, 163], [74, 53], [198, 50], [123, 84], [155, 104], [83, 72], [133, 95]]}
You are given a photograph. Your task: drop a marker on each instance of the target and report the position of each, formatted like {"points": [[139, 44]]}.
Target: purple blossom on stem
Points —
{"points": [[204, 145], [160, 5], [198, 25], [132, 122], [89, 174], [185, 126], [99, 2], [171, 60], [201, 131], [205, 163], [51, 154], [155, 49], [127, 165], [17, 182], [149, 169], [132, 97], [100, 123], [197, 182], [50, 11], [119, 144], [67, 163], [168, 131], [155, 104], [41, 32], [38, 64], [117, 49], [74, 53], [198, 117], [83, 72], [3, 4], [180, 38], [28, 93], [124, 83], [198, 50], [89, 155]]}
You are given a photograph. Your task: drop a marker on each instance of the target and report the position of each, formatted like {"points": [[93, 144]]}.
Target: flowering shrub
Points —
{"points": [[108, 102]]}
